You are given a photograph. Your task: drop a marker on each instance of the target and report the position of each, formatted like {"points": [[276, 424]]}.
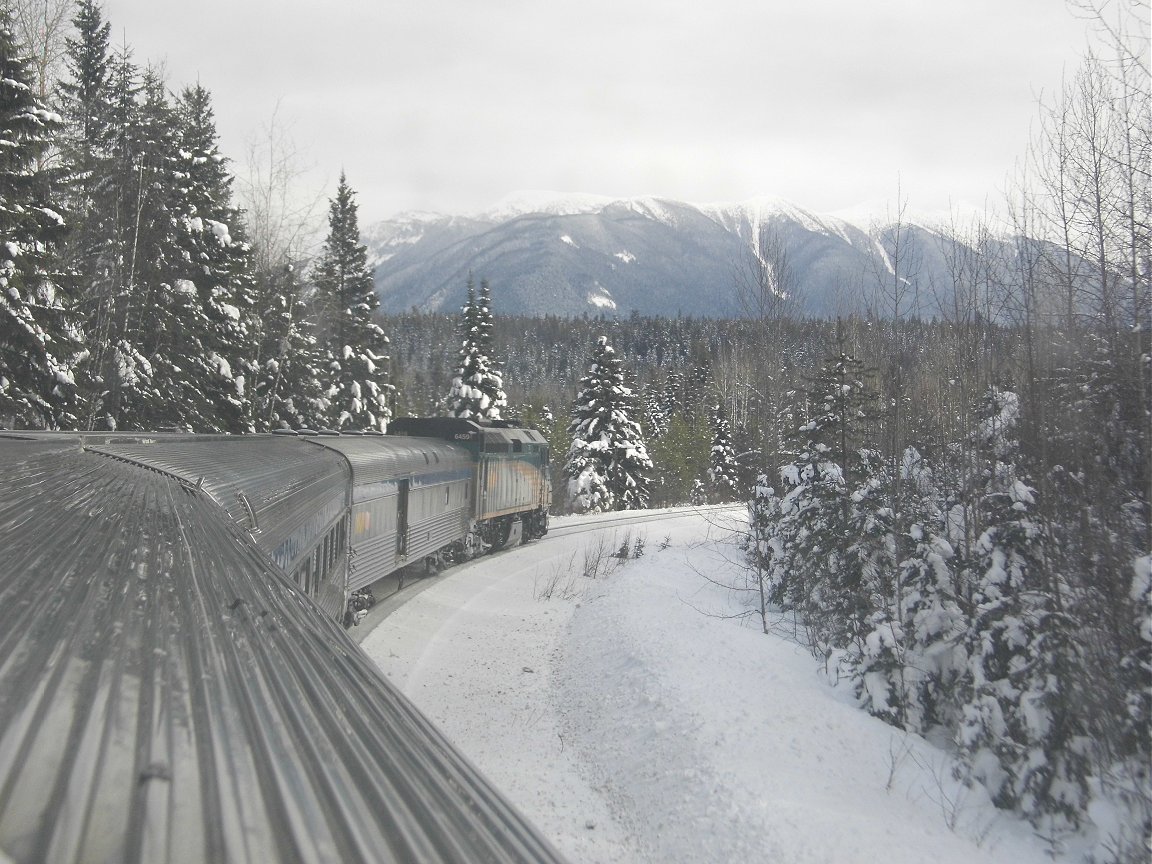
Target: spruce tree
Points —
{"points": [[355, 347], [86, 99], [477, 386], [1021, 734], [38, 339], [214, 258], [287, 390], [723, 469], [929, 617], [608, 464], [828, 579]]}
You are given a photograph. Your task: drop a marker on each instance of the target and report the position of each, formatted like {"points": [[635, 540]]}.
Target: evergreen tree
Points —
{"points": [[355, 347], [118, 180], [287, 392], [213, 257], [723, 470], [38, 338], [477, 386], [608, 462], [86, 103], [931, 621], [1020, 734], [826, 581]]}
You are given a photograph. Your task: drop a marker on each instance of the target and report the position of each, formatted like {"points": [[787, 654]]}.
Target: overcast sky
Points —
{"points": [[448, 105]]}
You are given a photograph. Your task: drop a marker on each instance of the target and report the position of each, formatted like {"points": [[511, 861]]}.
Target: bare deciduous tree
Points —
{"points": [[41, 27], [284, 221]]}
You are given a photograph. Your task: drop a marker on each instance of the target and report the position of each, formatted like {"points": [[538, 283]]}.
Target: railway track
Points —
{"points": [[638, 517], [394, 591]]}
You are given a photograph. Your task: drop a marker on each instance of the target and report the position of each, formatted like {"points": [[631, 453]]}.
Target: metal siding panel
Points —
{"points": [[511, 487], [432, 534], [373, 560]]}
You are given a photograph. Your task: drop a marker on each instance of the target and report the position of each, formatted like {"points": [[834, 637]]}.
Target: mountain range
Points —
{"points": [[569, 255]]}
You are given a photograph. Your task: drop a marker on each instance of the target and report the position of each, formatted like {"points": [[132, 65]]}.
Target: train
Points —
{"points": [[178, 680]]}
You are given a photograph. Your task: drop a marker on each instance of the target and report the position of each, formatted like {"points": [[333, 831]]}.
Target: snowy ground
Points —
{"points": [[633, 718]]}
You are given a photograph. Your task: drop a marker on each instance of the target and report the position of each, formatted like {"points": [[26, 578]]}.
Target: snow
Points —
{"points": [[638, 716], [544, 202], [626, 256]]}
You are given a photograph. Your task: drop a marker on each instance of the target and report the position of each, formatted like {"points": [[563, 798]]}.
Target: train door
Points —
{"points": [[402, 520]]}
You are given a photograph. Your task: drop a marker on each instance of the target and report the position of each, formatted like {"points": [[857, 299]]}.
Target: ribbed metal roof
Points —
{"points": [[167, 696], [376, 458], [283, 481]]}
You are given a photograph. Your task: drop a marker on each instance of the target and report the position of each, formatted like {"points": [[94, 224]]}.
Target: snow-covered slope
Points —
{"points": [[633, 718], [552, 253]]}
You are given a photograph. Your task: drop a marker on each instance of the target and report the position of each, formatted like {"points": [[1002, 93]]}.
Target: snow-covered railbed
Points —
{"points": [[634, 719]]}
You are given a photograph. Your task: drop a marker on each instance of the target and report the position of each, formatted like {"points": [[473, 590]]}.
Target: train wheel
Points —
{"points": [[501, 529]]}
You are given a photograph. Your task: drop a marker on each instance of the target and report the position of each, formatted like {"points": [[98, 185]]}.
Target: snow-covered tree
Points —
{"points": [[477, 385], [86, 104], [913, 656], [829, 496], [1020, 734], [723, 469], [608, 462], [214, 257], [356, 348], [38, 338], [287, 390]]}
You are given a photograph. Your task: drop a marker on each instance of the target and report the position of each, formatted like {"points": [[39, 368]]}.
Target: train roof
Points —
{"points": [[463, 429], [376, 459], [169, 696]]}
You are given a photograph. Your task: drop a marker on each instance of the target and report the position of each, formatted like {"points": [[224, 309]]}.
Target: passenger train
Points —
{"points": [[176, 683]]}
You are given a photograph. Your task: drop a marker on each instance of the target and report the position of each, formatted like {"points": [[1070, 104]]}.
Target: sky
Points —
{"points": [[449, 105]]}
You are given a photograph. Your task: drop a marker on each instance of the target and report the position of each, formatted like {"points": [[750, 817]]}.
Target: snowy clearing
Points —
{"points": [[633, 718]]}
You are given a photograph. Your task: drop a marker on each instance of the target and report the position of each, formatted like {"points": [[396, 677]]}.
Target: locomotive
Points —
{"points": [[178, 683]]}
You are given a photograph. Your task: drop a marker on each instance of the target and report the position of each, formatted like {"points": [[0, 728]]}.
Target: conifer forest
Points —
{"points": [[951, 512]]}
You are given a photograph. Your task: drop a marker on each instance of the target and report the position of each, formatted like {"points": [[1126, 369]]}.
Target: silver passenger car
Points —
{"points": [[169, 694]]}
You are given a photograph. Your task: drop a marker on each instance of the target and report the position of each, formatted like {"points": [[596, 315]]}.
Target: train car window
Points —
{"points": [[517, 445]]}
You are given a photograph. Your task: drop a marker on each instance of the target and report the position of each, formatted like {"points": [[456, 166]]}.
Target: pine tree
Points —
{"points": [[930, 617], [287, 392], [214, 258], [1020, 734], [355, 347], [608, 464], [723, 470], [86, 103], [38, 339], [827, 580], [115, 159], [477, 386]]}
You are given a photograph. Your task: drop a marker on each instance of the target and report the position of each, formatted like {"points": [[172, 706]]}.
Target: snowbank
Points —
{"points": [[636, 717]]}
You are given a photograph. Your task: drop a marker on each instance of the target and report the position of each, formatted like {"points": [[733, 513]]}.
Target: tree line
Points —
{"points": [[132, 295]]}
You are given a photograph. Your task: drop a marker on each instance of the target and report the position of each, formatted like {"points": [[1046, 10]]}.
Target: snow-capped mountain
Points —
{"points": [[546, 253]]}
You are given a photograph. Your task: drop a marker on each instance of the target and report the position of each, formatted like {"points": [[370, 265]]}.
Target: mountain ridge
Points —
{"points": [[555, 253]]}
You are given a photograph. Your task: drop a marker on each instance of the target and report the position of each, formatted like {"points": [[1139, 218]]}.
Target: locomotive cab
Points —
{"points": [[512, 487]]}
